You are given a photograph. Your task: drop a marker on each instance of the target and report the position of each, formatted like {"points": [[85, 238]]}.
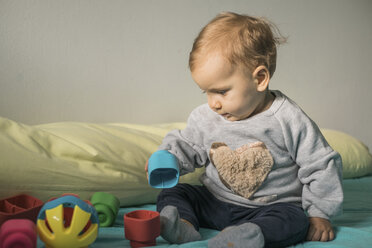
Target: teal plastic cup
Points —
{"points": [[163, 170]]}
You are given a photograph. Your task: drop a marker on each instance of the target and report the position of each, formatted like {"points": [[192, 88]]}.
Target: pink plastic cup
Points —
{"points": [[142, 227], [18, 233]]}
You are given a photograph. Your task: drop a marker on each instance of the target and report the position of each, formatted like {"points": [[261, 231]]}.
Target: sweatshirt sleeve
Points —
{"points": [[320, 169], [187, 145]]}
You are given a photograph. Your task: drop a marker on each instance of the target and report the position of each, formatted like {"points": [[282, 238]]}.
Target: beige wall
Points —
{"points": [[126, 61]]}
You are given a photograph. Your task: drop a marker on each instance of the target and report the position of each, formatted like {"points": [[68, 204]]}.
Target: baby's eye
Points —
{"points": [[222, 92]]}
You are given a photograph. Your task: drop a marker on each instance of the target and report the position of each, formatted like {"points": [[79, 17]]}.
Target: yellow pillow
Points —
{"points": [[356, 158], [48, 160], [82, 158]]}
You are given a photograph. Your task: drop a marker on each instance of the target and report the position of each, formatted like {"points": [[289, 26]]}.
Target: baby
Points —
{"points": [[232, 61]]}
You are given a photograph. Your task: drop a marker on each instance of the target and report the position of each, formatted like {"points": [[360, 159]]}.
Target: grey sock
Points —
{"points": [[174, 230], [245, 235]]}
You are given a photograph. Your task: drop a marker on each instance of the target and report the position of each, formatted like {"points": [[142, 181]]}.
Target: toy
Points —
{"points": [[163, 169], [142, 227], [243, 170], [19, 207], [18, 233], [67, 222], [107, 206]]}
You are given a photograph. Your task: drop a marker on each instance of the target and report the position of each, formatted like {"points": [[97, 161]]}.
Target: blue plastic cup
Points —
{"points": [[163, 170]]}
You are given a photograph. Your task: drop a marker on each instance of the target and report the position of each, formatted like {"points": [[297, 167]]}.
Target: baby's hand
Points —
{"points": [[147, 169], [320, 230]]}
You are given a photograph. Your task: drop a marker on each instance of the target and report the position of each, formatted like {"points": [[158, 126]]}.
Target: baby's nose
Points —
{"points": [[214, 103], [216, 106]]}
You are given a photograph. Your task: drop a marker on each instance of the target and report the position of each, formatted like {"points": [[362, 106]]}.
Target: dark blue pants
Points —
{"points": [[282, 224]]}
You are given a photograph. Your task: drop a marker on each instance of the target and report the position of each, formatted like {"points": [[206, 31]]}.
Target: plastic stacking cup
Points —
{"points": [[142, 227], [107, 206], [163, 170], [18, 233]]}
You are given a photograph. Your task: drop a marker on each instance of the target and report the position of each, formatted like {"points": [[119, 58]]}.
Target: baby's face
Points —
{"points": [[231, 92]]}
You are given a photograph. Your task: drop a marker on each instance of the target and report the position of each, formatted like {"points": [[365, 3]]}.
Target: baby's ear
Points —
{"points": [[261, 76]]}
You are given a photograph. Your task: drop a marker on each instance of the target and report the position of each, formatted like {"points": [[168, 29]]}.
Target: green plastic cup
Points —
{"points": [[107, 206]]}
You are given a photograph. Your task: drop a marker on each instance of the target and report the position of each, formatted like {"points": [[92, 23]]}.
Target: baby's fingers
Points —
{"points": [[325, 237], [147, 169], [316, 236], [331, 235], [310, 234]]}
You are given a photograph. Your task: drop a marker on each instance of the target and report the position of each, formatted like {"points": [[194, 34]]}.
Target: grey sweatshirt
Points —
{"points": [[306, 170]]}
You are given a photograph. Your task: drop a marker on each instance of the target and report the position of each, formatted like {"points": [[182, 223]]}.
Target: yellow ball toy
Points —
{"points": [[67, 222]]}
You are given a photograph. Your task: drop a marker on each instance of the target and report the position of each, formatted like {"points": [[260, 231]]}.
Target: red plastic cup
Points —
{"points": [[142, 227], [16, 233], [19, 207]]}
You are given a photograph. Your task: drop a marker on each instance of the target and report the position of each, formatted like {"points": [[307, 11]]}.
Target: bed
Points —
{"points": [[353, 228], [51, 159]]}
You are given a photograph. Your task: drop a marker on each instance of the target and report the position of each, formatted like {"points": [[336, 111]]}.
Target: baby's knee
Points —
{"points": [[180, 189]]}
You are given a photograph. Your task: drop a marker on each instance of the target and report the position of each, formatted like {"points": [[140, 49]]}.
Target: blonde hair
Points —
{"points": [[240, 39]]}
